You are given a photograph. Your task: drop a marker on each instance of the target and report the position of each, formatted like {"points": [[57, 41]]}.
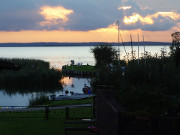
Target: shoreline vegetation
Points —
{"points": [[43, 100], [34, 75]]}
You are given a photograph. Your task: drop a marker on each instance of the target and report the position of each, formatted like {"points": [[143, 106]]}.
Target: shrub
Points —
{"points": [[40, 99]]}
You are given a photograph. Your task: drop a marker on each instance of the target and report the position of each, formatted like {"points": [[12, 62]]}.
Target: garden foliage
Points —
{"points": [[152, 85]]}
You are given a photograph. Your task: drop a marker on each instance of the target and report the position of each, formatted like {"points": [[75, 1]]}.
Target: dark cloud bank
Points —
{"points": [[17, 15]]}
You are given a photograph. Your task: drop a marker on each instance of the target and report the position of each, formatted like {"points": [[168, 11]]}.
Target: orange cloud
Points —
{"points": [[54, 15], [149, 18], [125, 8], [172, 15], [136, 17], [176, 28]]}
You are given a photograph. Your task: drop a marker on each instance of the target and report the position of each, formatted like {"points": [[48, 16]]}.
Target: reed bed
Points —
{"points": [[33, 75]]}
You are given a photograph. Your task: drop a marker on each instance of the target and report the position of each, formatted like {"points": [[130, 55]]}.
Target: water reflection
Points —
{"points": [[66, 81], [75, 84], [22, 91], [15, 99], [20, 97], [57, 56]]}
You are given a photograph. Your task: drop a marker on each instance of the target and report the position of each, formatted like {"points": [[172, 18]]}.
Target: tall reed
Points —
{"points": [[33, 75]]}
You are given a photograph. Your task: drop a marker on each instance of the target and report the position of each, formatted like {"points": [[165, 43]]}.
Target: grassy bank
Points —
{"points": [[24, 126], [83, 112], [70, 102], [44, 100], [34, 75]]}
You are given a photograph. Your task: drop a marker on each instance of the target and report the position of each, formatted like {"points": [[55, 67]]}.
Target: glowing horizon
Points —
{"points": [[100, 35]]}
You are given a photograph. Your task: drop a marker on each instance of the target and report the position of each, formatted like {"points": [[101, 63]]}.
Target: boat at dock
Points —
{"points": [[87, 89], [87, 92]]}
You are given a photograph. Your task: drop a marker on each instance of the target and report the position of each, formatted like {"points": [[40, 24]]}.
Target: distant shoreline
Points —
{"points": [[56, 44]]}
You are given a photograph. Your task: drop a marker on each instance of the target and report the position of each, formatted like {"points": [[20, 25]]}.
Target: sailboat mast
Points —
{"points": [[118, 41], [138, 49], [144, 51], [144, 46], [131, 47]]}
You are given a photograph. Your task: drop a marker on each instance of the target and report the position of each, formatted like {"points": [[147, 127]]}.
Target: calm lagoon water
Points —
{"points": [[57, 57]]}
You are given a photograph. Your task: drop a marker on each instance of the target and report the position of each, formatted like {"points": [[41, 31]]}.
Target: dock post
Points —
{"points": [[67, 112]]}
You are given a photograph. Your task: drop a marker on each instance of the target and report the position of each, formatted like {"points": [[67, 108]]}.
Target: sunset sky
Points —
{"points": [[87, 20]]}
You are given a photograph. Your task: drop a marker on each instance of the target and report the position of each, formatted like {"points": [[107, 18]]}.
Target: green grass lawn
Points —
{"points": [[54, 113], [35, 123], [31, 126], [45, 101]]}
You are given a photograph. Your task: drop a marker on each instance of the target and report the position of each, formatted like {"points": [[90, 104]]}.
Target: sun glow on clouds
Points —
{"points": [[172, 15], [54, 15], [125, 8], [108, 34], [100, 35], [110, 28], [150, 18], [136, 17]]}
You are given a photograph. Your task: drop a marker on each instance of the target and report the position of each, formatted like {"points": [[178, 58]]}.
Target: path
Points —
{"points": [[25, 108]]}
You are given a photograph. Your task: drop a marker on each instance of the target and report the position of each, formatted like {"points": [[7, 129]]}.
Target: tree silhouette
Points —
{"points": [[104, 54]]}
